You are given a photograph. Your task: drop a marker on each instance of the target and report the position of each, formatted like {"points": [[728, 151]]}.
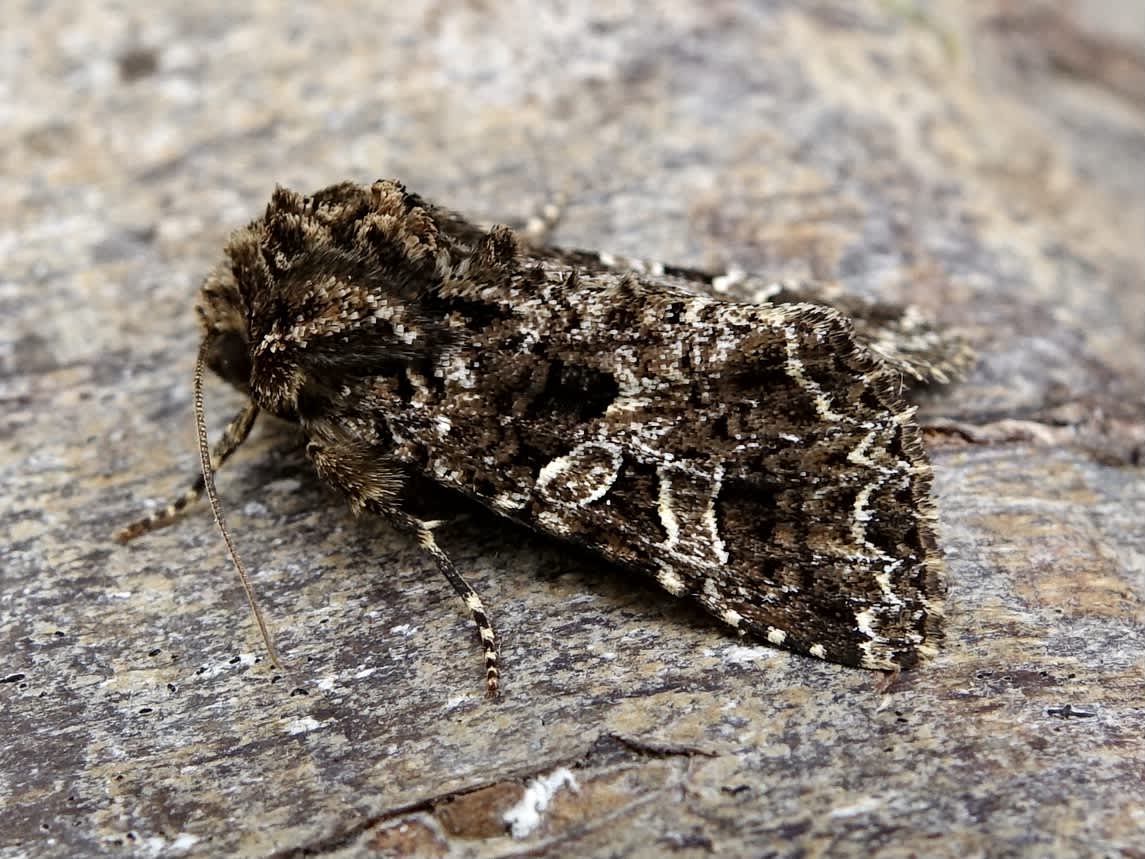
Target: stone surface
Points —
{"points": [[954, 155]]}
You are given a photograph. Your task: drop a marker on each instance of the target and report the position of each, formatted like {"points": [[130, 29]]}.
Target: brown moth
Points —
{"points": [[756, 457]]}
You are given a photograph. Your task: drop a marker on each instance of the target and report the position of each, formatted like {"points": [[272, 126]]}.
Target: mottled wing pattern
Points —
{"points": [[755, 457], [752, 457], [903, 338]]}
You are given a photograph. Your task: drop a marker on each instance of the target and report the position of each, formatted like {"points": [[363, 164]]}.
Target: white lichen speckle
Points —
{"points": [[302, 726], [524, 817], [739, 655]]}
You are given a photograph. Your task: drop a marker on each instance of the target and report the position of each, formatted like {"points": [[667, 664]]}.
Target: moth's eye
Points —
{"points": [[227, 355]]}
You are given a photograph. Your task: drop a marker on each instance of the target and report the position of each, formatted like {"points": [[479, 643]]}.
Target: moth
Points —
{"points": [[755, 456]]}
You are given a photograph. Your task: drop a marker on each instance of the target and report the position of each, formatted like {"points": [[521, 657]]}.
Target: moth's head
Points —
{"points": [[223, 324]]}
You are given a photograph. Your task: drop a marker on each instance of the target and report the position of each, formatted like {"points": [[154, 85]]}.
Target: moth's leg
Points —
{"points": [[371, 481], [539, 227], [423, 531], [233, 436], [535, 231]]}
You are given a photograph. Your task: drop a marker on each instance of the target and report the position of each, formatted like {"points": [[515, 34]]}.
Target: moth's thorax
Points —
{"points": [[328, 289]]}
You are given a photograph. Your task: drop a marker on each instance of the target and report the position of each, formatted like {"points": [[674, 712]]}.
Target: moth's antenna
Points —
{"points": [[213, 498]]}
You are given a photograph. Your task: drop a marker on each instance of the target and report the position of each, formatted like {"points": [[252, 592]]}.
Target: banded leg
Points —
{"points": [[372, 481], [536, 230], [233, 436], [539, 227], [423, 531]]}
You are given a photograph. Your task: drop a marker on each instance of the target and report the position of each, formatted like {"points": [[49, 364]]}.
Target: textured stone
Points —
{"points": [[949, 158]]}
